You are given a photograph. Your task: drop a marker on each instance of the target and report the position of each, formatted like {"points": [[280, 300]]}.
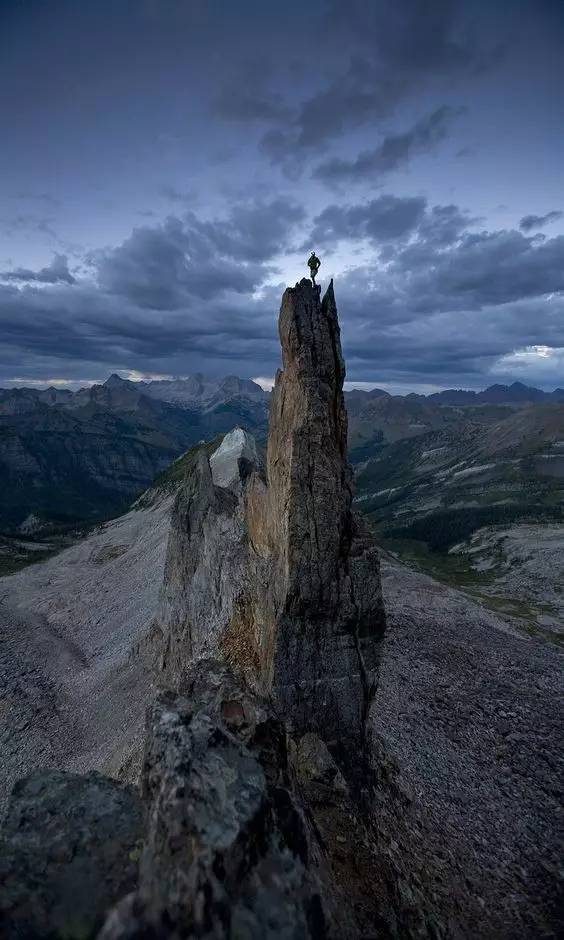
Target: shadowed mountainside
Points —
{"points": [[68, 458], [73, 458]]}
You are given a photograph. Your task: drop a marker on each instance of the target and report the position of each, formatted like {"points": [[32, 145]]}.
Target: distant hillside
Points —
{"points": [[70, 458], [430, 494], [472, 494], [517, 393], [479, 459]]}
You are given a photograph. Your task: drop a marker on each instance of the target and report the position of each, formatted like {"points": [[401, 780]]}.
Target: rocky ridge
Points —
{"points": [[273, 571]]}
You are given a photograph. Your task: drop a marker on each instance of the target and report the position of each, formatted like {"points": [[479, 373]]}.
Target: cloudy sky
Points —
{"points": [[167, 166]]}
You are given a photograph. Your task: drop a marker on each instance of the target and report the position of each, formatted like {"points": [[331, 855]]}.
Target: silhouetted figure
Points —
{"points": [[314, 265]]}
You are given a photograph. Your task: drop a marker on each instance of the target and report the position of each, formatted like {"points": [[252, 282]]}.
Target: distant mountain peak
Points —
{"points": [[115, 380]]}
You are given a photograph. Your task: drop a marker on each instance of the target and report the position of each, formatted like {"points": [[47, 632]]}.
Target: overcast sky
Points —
{"points": [[167, 166]]}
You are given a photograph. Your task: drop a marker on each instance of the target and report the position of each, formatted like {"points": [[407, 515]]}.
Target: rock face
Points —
{"points": [[234, 458], [323, 608], [205, 569], [69, 850], [241, 832], [274, 573], [226, 850]]}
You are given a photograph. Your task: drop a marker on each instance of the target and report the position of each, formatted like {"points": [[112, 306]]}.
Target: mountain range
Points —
{"points": [[193, 392], [515, 394], [70, 458]]}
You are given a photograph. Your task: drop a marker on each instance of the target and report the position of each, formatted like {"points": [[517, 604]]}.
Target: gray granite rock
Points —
{"points": [[236, 454], [226, 851], [313, 764], [69, 850], [206, 559]]}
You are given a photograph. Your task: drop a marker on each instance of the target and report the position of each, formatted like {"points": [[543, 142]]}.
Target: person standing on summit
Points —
{"points": [[314, 265]]}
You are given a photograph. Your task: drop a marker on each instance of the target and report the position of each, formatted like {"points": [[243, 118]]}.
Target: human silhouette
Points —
{"points": [[314, 264]]}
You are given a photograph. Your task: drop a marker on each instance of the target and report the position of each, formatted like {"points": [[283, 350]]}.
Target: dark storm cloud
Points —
{"points": [[388, 217], [382, 339], [530, 222], [167, 298], [395, 151], [54, 273], [450, 348], [358, 94], [444, 303], [480, 269], [390, 336], [438, 300], [252, 232], [436, 261], [162, 266], [443, 225], [389, 52], [79, 331]]}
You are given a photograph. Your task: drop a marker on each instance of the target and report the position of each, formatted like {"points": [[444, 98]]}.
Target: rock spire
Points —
{"points": [[324, 615], [270, 569]]}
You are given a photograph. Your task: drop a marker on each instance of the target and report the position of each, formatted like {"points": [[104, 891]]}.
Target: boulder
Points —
{"points": [[235, 457]]}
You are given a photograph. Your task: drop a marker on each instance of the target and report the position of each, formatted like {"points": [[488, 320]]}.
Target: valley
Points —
{"points": [[467, 487], [69, 459], [473, 496]]}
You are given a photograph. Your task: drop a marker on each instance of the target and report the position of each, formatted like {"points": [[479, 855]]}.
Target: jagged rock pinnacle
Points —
{"points": [[275, 573], [325, 586], [308, 474]]}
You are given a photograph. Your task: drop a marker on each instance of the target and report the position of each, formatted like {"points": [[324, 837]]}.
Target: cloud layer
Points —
{"points": [[436, 298], [395, 151], [193, 154]]}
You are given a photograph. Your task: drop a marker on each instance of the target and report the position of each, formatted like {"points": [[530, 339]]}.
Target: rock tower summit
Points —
{"points": [[326, 598], [268, 567]]}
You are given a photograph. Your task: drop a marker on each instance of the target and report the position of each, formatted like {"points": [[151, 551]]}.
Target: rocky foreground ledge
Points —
{"points": [[238, 831]]}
